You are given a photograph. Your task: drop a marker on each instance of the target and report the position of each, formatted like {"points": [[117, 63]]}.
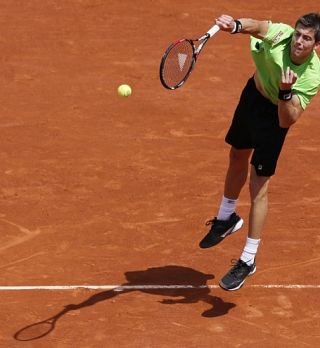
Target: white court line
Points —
{"points": [[149, 287]]}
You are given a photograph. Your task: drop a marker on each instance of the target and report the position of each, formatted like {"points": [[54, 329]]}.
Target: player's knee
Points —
{"points": [[258, 187]]}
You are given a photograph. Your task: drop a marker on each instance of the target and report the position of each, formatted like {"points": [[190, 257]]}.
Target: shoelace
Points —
{"points": [[237, 264]]}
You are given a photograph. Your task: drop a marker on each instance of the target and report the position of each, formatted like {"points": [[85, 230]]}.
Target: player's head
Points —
{"points": [[306, 37], [310, 21]]}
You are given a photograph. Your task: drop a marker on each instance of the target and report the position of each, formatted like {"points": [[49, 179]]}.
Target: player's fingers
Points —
{"points": [[229, 18], [288, 78], [224, 22], [292, 76], [283, 75], [226, 18], [288, 73]]}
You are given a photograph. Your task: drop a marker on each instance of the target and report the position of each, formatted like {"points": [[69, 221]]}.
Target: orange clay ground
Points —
{"points": [[102, 190]]}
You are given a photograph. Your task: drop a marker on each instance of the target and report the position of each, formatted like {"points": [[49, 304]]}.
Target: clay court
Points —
{"points": [[103, 199]]}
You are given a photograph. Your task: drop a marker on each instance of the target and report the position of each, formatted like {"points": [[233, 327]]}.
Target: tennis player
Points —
{"points": [[286, 78]]}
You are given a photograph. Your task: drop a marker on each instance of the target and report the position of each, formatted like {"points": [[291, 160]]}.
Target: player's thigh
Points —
{"points": [[239, 157]]}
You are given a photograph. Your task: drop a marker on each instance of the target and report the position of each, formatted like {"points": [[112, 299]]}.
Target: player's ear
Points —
{"points": [[317, 46]]}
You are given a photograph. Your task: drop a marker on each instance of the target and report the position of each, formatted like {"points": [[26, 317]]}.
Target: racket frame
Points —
{"points": [[196, 51], [163, 61]]}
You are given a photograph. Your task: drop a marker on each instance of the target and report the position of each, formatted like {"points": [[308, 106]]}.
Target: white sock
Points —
{"points": [[227, 207], [250, 250]]}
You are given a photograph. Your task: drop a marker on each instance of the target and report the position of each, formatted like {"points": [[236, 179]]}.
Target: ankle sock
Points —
{"points": [[227, 207], [250, 250]]}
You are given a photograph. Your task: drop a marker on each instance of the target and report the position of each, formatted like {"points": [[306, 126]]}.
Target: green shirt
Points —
{"points": [[273, 53]]}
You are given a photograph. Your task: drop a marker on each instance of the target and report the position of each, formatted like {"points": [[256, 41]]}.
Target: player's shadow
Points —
{"points": [[176, 284]]}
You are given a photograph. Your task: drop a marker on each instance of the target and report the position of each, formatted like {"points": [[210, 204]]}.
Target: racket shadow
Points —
{"points": [[192, 289]]}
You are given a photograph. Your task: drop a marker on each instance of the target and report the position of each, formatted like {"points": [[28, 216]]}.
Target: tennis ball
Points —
{"points": [[124, 90]]}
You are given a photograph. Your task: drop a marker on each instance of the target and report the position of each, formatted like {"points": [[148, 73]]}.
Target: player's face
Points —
{"points": [[302, 44]]}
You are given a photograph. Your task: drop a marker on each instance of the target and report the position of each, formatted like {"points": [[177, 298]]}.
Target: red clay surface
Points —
{"points": [[98, 189]]}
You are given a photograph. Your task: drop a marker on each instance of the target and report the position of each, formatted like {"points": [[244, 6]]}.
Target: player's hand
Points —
{"points": [[225, 22], [288, 79]]}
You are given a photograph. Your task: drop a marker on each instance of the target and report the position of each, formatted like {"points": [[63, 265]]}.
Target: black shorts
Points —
{"points": [[255, 125]]}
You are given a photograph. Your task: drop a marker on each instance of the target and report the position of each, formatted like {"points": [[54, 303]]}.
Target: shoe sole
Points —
{"points": [[223, 286], [231, 230]]}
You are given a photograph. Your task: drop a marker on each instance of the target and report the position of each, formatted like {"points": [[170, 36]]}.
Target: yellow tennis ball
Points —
{"points": [[124, 90]]}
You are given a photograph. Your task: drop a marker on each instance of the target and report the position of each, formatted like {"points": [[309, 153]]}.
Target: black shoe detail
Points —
{"points": [[220, 229], [237, 275]]}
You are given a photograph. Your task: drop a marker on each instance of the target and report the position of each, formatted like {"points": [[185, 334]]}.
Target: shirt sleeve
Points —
{"points": [[306, 95], [277, 32]]}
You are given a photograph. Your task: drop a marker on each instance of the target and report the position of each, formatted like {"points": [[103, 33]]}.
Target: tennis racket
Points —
{"points": [[180, 57]]}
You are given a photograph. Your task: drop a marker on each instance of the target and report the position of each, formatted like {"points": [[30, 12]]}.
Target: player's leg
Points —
{"points": [[246, 266], [267, 139], [237, 172], [240, 139], [228, 221], [259, 203]]}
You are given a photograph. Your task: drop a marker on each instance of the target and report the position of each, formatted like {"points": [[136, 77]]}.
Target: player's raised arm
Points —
{"points": [[250, 26]]}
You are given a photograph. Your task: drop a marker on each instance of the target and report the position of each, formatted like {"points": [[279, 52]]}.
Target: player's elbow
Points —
{"points": [[286, 123]]}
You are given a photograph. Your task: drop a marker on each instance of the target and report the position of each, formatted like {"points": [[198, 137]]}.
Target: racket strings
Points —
{"points": [[177, 64]]}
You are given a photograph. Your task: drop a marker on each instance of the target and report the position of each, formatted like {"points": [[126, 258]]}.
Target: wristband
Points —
{"points": [[237, 27], [285, 95]]}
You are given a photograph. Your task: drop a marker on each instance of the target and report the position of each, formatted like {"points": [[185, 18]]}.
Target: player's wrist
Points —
{"points": [[237, 27], [285, 94]]}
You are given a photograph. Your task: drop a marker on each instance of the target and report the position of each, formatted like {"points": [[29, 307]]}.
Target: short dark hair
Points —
{"points": [[311, 20]]}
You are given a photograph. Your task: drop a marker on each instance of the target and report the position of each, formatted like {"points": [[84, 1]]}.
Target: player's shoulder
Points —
{"points": [[310, 77], [278, 32]]}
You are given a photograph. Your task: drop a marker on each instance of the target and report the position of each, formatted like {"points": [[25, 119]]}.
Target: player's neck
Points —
{"points": [[300, 60]]}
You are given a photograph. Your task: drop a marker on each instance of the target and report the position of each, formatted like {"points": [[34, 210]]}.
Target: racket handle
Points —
{"points": [[212, 31]]}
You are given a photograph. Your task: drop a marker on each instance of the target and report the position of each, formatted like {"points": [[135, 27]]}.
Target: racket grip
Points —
{"points": [[213, 30]]}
